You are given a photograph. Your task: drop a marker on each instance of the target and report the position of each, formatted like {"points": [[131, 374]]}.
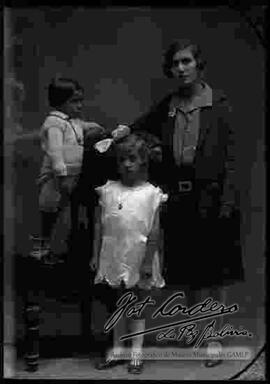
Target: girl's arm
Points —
{"points": [[97, 238], [152, 246]]}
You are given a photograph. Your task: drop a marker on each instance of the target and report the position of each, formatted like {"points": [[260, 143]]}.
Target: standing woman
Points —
{"points": [[194, 125]]}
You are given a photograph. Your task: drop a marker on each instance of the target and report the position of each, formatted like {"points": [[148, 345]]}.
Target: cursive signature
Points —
{"points": [[129, 305], [191, 333]]}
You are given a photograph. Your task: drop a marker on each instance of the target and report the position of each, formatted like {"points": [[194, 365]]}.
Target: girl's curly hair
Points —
{"points": [[144, 142]]}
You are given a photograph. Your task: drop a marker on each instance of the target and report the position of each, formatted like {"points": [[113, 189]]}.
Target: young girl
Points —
{"points": [[62, 141], [126, 253]]}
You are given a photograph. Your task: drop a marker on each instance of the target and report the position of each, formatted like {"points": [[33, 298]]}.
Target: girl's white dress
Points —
{"points": [[127, 218]]}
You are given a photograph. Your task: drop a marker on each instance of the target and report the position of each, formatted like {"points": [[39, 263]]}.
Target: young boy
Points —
{"points": [[62, 140]]}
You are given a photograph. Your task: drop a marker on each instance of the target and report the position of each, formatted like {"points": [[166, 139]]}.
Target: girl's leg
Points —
{"points": [[112, 356], [119, 330], [137, 325], [137, 342], [136, 363]]}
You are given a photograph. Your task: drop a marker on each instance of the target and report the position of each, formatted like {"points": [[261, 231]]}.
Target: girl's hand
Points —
{"points": [[145, 276], [120, 131], [93, 264], [146, 271]]}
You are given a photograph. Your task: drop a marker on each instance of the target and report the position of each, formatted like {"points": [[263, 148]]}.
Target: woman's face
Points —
{"points": [[184, 67]]}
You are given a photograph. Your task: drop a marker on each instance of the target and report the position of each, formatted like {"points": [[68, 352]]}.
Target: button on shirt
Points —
{"points": [[186, 125]]}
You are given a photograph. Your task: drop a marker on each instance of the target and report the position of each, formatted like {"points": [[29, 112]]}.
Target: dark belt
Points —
{"points": [[185, 186], [189, 185]]}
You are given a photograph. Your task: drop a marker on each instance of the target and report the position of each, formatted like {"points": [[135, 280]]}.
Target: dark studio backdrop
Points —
{"points": [[116, 55]]}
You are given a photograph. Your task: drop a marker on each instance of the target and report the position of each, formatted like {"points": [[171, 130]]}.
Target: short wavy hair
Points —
{"points": [[179, 45], [61, 89]]}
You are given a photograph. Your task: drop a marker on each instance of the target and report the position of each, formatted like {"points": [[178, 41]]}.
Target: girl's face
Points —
{"points": [[129, 165], [73, 106]]}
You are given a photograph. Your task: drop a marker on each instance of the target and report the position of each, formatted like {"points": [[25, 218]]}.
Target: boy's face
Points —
{"points": [[129, 164], [73, 106]]}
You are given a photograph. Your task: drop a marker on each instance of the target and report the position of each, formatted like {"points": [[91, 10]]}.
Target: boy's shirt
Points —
{"points": [[62, 140]]}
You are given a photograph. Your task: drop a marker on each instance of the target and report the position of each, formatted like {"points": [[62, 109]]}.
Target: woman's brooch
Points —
{"points": [[172, 113]]}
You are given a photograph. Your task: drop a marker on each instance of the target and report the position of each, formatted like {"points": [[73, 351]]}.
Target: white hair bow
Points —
{"points": [[121, 131]]}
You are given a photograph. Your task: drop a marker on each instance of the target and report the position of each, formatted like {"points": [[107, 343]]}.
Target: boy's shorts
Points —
{"points": [[51, 197]]}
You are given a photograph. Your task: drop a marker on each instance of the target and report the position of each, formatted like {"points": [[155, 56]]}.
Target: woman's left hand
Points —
{"points": [[226, 211]]}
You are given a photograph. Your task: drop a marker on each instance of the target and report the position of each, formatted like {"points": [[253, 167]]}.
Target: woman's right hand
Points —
{"points": [[121, 131]]}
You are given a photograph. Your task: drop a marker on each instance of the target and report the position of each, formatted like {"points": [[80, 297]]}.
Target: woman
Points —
{"points": [[193, 124]]}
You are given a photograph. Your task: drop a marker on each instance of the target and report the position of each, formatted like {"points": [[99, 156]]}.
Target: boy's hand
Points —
{"points": [[94, 133], [66, 184], [120, 131]]}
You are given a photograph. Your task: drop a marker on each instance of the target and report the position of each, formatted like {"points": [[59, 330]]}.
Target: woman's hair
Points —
{"points": [[177, 46], [61, 89]]}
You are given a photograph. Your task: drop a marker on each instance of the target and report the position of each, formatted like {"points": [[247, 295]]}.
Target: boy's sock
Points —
{"points": [[40, 247]]}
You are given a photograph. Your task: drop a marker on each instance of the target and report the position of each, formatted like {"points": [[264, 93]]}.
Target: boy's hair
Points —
{"points": [[177, 46], [142, 141], [61, 89]]}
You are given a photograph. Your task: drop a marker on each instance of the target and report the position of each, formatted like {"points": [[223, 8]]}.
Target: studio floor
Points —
{"points": [[82, 365], [83, 368]]}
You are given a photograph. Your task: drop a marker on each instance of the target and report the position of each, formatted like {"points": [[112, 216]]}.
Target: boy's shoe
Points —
{"points": [[108, 363], [135, 367], [40, 248], [41, 251]]}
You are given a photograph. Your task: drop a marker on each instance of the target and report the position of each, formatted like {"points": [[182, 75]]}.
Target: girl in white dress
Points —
{"points": [[127, 241]]}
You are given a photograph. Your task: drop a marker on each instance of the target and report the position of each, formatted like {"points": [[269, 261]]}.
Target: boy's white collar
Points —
{"points": [[60, 114]]}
